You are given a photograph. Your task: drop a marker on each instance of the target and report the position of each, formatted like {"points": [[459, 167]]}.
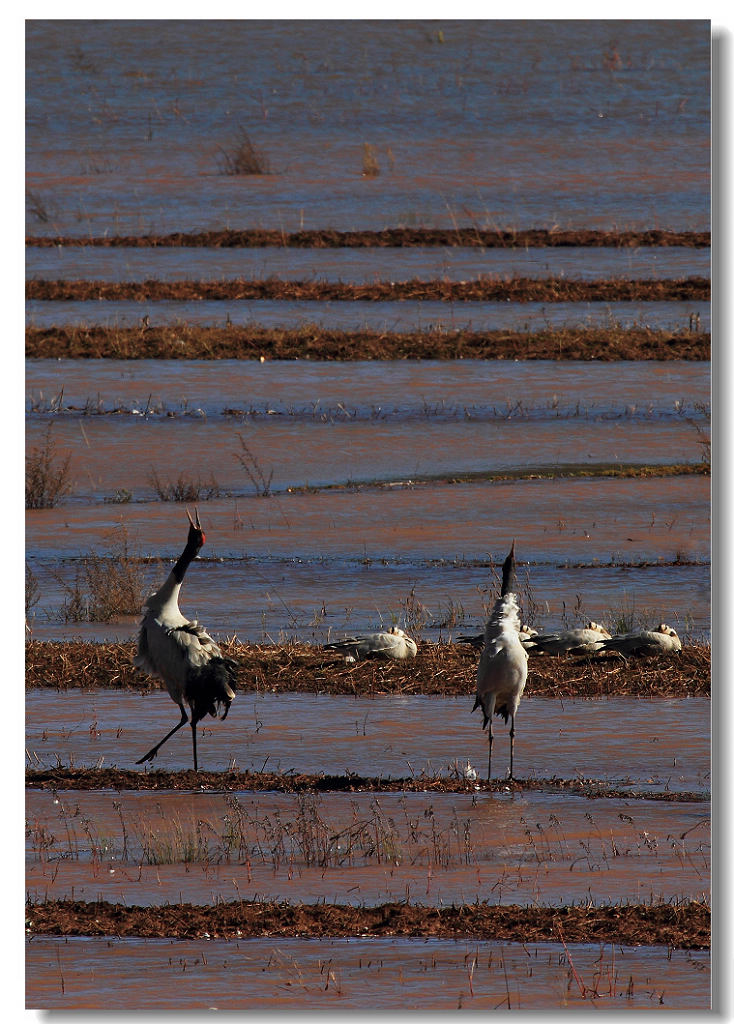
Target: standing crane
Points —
{"points": [[503, 666], [181, 652]]}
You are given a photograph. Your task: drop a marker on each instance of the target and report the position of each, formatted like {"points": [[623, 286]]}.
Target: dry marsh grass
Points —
{"points": [[439, 669], [242, 157], [47, 475], [489, 238], [107, 585], [310, 341], [184, 488], [682, 924], [519, 289]]}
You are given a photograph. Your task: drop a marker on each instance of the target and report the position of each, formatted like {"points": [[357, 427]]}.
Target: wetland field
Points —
{"points": [[377, 301]]}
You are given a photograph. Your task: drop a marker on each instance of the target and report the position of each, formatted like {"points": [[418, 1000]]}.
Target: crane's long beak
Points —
{"points": [[196, 525]]}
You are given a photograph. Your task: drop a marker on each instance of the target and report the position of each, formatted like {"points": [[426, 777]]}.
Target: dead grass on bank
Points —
{"points": [[439, 669], [310, 341], [400, 237], [682, 925], [483, 289]]}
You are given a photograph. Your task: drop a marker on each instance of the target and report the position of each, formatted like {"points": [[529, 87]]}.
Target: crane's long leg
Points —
{"points": [[193, 737], [512, 741], [154, 750], [489, 760]]}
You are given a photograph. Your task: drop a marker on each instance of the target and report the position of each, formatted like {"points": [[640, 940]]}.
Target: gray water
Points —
{"points": [[477, 123]]}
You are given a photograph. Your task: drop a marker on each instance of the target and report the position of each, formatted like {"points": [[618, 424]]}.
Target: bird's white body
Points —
{"points": [[578, 641], [169, 645], [503, 666], [181, 653], [391, 643], [662, 640]]}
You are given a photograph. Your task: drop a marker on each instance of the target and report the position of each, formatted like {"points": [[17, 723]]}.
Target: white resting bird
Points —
{"points": [[661, 640], [390, 643], [569, 641]]}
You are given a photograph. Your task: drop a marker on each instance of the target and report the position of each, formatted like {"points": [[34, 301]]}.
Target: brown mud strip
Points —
{"points": [[616, 471], [313, 342], [678, 926], [438, 669], [188, 780], [519, 289], [390, 238]]}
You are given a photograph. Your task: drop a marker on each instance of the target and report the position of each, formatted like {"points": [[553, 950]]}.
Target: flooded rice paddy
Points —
{"points": [[360, 460], [360, 266], [338, 497], [650, 744], [398, 317], [349, 974]]}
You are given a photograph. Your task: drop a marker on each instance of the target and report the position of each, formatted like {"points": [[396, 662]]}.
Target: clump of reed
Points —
{"points": [[185, 488], [47, 475], [242, 157], [106, 586]]}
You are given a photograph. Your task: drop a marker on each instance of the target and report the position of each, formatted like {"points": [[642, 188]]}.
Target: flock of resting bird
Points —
{"points": [[196, 674]]}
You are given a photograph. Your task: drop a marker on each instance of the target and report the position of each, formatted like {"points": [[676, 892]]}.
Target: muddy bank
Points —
{"points": [[390, 238], [439, 669], [85, 779], [682, 926], [520, 289], [312, 342]]}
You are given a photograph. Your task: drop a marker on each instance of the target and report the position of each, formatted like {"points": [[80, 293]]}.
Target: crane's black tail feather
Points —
{"points": [[211, 687], [500, 709]]}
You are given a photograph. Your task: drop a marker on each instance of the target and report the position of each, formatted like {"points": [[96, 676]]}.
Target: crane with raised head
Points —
{"points": [[503, 665], [181, 652]]}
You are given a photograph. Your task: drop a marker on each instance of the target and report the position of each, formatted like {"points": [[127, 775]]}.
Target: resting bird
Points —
{"points": [[569, 641], [477, 639], [182, 653], [661, 640], [392, 643], [503, 666]]}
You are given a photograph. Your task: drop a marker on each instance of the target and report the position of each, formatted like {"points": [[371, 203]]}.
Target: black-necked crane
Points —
{"points": [[181, 652], [661, 640], [569, 641], [503, 666], [389, 643]]}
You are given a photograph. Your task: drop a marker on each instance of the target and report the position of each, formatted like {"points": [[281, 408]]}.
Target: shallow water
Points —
{"points": [[349, 974], [358, 551], [386, 316], [362, 849], [358, 266], [396, 390], [650, 744], [314, 564], [600, 122]]}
